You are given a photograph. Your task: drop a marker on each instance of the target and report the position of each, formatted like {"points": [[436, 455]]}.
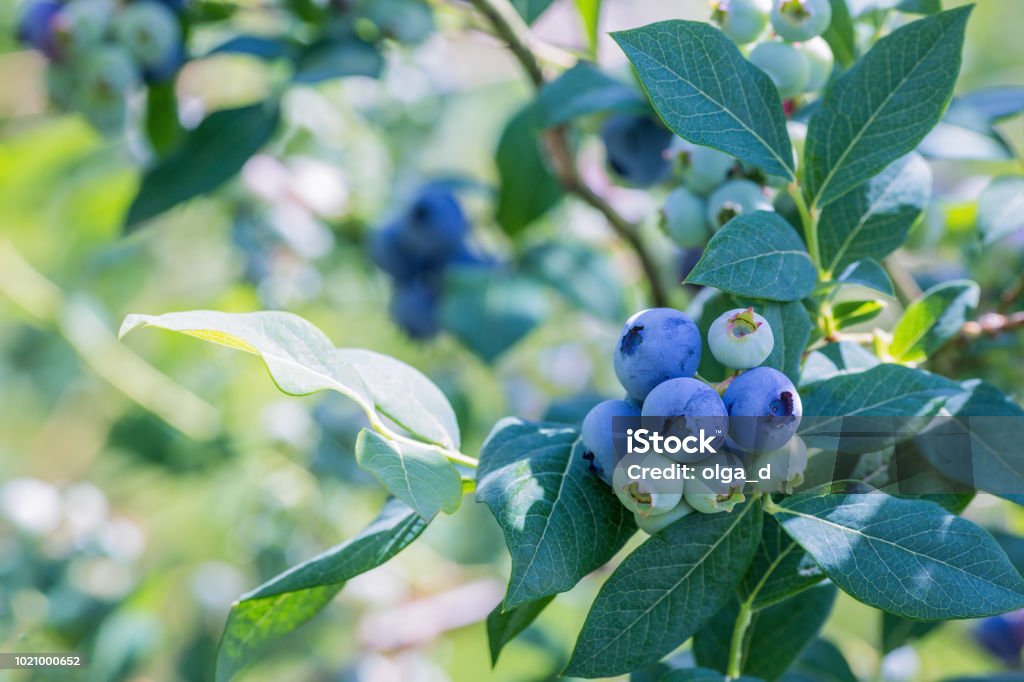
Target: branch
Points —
{"points": [[510, 28], [992, 324]]}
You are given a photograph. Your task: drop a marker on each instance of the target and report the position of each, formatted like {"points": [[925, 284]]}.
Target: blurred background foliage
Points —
{"points": [[135, 508]]}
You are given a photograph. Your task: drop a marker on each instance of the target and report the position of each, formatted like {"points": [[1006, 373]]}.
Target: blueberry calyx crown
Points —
{"points": [[781, 409], [631, 339], [795, 9], [743, 323]]}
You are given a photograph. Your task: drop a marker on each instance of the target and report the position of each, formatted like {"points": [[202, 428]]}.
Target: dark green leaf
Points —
{"points": [[208, 157], [841, 35], [898, 631], [703, 675], [822, 661], [420, 477], [867, 273], [528, 189], [997, 103], [504, 626], [665, 591], [927, 564], [757, 255], [965, 133], [708, 93], [1001, 209], [920, 6], [559, 520], [780, 569], [163, 129], [512, 304], [337, 59], [791, 327], [884, 106], [850, 313], [530, 10], [875, 219], [263, 47], [836, 359], [583, 90], [581, 274], [284, 603], [775, 637], [932, 320]]}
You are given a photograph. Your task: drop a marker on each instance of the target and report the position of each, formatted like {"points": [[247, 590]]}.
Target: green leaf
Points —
{"points": [[791, 327], [776, 636], [527, 189], [301, 361], [875, 219], [665, 591], [850, 313], [932, 320], [898, 631], [780, 569], [512, 304], [708, 93], [926, 564], [1001, 209], [590, 15], [757, 255], [559, 520], [205, 159], [867, 273], [163, 129], [504, 626], [530, 10], [836, 359], [329, 59], [884, 106], [703, 675], [268, 48], [420, 477], [841, 34], [997, 103], [287, 601], [582, 275], [965, 133], [822, 661], [583, 90]]}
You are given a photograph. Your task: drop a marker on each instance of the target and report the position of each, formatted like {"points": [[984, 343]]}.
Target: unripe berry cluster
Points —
{"points": [[752, 418], [416, 249], [101, 51]]}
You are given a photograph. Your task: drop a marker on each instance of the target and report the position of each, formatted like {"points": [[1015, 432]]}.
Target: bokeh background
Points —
{"points": [[145, 485]]}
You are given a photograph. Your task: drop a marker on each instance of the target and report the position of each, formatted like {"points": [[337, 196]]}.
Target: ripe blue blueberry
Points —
{"points": [[764, 409], [741, 339], [647, 497], [655, 524], [434, 227], [820, 62], [742, 20], [149, 30], [599, 435], [713, 488], [684, 218], [797, 20], [1002, 636], [37, 25], [636, 148], [785, 65], [734, 198], [787, 466], [683, 408], [656, 345], [704, 168], [414, 307]]}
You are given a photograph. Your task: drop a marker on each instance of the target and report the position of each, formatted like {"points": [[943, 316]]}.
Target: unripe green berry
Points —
{"points": [[646, 497], [820, 62], [798, 20], [785, 65], [705, 169], [742, 20], [655, 524], [710, 496], [788, 464], [683, 217], [735, 198], [149, 30], [82, 25], [105, 77], [741, 339]]}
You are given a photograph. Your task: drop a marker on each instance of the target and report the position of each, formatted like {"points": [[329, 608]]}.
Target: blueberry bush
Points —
{"points": [[792, 153]]}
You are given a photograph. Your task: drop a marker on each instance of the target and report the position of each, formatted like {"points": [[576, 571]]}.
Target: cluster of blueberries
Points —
{"points": [[101, 51], [416, 249], [755, 414]]}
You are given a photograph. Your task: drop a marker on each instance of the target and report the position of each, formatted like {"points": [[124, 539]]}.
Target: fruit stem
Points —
{"points": [[739, 632], [810, 222]]}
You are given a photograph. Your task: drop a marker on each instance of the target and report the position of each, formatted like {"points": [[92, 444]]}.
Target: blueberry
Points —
{"points": [[82, 25], [433, 228], [106, 75], [37, 25], [1002, 636], [704, 169], [683, 217], [788, 464], [685, 407], [712, 488], [636, 148], [646, 497], [819, 61], [656, 345], [741, 339], [655, 524], [414, 307], [734, 198], [798, 20], [150, 31], [163, 71], [742, 20], [599, 437], [785, 65], [764, 409]]}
